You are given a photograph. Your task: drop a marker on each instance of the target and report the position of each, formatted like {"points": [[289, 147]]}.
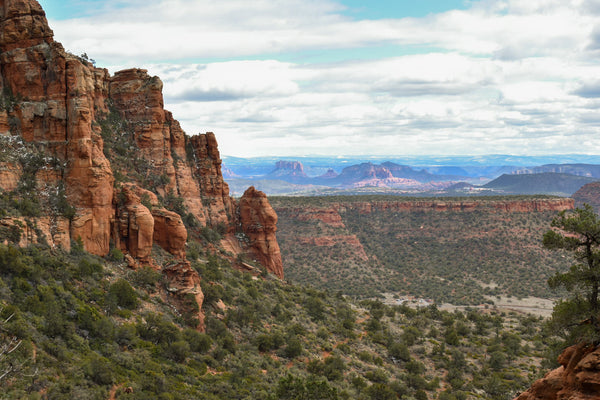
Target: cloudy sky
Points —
{"points": [[352, 77]]}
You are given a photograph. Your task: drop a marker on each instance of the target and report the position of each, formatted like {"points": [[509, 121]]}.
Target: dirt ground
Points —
{"points": [[527, 305]]}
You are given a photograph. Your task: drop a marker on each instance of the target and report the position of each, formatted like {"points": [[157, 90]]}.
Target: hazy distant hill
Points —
{"points": [[588, 170], [412, 175], [545, 183], [588, 194], [289, 171]]}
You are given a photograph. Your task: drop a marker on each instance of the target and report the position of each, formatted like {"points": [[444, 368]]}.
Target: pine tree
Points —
{"points": [[578, 232]]}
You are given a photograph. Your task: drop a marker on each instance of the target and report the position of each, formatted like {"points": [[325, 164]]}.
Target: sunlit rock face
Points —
{"points": [[53, 105], [578, 377]]}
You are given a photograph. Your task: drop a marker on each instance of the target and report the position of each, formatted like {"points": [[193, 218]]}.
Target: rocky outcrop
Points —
{"points": [[578, 377], [136, 225], [329, 216], [330, 174], [288, 170], [169, 232], [588, 194], [58, 110], [183, 289], [188, 168], [291, 166], [50, 98], [215, 192], [25, 231], [55, 101], [258, 221], [330, 241]]}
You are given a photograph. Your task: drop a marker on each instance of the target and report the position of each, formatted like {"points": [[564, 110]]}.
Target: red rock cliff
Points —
{"points": [[578, 377], [258, 221], [50, 99], [56, 108]]}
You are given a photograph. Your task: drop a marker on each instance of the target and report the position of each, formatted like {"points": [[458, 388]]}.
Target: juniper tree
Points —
{"points": [[578, 232]]}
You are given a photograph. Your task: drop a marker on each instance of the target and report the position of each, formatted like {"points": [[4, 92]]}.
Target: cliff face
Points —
{"points": [[258, 221], [49, 100], [589, 194], [578, 377], [104, 160]]}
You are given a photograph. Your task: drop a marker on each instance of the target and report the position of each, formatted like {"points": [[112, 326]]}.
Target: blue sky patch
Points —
{"points": [[381, 9]]}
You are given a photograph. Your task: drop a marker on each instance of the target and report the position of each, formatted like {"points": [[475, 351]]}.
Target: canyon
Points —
{"points": [[451, 250]]}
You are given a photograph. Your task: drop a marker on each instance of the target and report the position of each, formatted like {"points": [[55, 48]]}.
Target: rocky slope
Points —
{"points": [[578, 377], [104, 163], [588, 194]]}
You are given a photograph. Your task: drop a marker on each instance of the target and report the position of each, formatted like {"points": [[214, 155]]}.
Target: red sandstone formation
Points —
{"points": [[61, 94], [136, 226], [183, 289], [52, 105], [139, 227], [207, 171], [578, 377], [53, 232], [328, 216], [65, 97], [162, 142], [169, 231], [330, 241], [259, 222]]}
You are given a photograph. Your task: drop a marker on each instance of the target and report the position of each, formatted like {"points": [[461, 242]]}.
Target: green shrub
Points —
{"points": [[293, 349], [116, 254], [177, 351], [99, 370], [122, 295], [199, 342]]}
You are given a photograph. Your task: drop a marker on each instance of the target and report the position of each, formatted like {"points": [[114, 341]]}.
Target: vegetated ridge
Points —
{"points": [[559, 184], [461, 250]]}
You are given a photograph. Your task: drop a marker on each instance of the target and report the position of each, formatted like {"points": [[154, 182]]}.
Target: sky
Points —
{"points": [[352, 77]]}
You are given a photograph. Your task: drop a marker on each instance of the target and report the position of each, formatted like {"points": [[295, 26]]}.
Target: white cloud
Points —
{"points": [[515, 76]]}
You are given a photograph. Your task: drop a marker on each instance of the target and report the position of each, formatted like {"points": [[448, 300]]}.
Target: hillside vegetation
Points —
{"points": [[450, 256], [85, 327]]}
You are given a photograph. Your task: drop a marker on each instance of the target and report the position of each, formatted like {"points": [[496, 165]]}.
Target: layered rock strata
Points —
{"points": [[578, 377], [58, 110], [258, 221]]}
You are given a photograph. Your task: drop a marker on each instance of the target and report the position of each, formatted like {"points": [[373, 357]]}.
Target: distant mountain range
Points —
{"points": [[336, 176], [589, 170], [539, 183]]}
